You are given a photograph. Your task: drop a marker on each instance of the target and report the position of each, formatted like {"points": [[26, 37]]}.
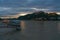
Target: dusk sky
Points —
{"points": [[12, 7]]}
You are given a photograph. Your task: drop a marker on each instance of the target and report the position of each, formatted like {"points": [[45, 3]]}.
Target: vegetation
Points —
{"points": [[40, 16], [0, 18]]}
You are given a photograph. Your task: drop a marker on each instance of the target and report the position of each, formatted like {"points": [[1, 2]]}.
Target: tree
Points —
{"points": [[0, 18], [54, 16]]}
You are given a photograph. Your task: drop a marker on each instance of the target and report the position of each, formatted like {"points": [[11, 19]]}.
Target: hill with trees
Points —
{"points": [[40, 16]]}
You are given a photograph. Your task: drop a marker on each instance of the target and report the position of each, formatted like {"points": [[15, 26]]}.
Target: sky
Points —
{"points": [[12, 7]]}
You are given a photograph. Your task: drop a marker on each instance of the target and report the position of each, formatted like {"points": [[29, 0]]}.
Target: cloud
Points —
{"points": [[13, 11], [4, 8], [12, 7], [9, 10], [29, 1]]}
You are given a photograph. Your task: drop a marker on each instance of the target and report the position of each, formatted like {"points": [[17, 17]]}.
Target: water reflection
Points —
{"points": [[42, 30], [22, 24], [37, 30]]}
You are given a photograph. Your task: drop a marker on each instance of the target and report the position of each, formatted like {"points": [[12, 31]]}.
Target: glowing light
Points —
{"points": [[22, 14], [58, 13]]}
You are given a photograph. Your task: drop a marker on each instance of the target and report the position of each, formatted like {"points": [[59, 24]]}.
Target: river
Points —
{"points": [[34, 30]]}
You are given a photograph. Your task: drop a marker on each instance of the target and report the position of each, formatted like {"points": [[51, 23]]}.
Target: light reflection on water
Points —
{"points": [[22, 25], [38, 30], [48, 30]]}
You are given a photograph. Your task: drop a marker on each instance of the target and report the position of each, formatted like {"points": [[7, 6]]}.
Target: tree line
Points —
{"points": [[40, 16]]}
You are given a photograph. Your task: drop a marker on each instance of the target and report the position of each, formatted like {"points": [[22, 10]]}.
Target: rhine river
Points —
{"points": [[33, 30]]}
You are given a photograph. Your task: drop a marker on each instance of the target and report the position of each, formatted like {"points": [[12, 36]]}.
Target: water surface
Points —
{"points": [[35, 30]]}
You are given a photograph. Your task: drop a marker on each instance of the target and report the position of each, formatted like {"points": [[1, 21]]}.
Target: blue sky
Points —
{"points": [[11, 7]]}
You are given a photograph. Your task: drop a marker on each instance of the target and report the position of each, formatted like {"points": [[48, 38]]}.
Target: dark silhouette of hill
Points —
{"points": [[40, 16]]}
